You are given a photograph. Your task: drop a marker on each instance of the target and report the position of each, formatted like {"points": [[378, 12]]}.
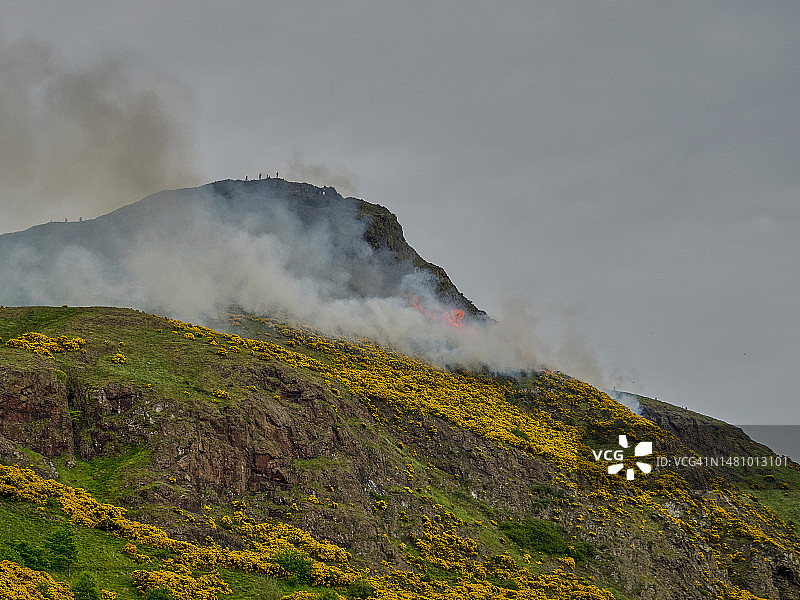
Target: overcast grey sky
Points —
{"points": [[627, 170]]}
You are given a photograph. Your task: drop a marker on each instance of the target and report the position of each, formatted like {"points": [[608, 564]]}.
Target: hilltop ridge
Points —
{"points": [[104, 251]]}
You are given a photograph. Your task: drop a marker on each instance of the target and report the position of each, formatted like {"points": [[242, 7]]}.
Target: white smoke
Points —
{"points": [[194, 253], [627, 399]]}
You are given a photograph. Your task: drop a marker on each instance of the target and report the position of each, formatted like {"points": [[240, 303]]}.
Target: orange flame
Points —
{"points": [[453, 317]]}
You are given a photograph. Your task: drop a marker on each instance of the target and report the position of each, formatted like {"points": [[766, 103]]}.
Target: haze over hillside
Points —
{"points": [[339, 264]]}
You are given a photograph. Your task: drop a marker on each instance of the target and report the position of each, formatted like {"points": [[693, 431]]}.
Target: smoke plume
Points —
{"points": [[81, 140], [193, 253], [627, 399], [78, 141]]}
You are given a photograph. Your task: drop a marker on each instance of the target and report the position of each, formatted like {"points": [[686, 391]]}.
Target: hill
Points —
{"points": [[265, 243], [262, 458]]}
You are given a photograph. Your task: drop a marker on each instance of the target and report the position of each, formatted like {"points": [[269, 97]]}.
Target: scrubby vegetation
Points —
{"points": [[543, 536], [438, 537]]}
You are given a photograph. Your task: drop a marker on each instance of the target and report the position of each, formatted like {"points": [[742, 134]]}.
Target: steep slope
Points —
{"points": [[444, 485]]}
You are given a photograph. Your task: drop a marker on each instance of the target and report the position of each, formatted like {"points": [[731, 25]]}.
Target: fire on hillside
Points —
{"points": [[453, 317]]}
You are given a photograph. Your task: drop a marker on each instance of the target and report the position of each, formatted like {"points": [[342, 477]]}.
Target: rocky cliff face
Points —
{"points": [[35, 411]]}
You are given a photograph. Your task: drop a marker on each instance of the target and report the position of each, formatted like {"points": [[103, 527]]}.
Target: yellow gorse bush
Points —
{"points": [[223, 394], [22, 583], [180, 582], [44, 345]]}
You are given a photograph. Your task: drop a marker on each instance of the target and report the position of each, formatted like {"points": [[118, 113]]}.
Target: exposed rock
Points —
{"points": [[34, 411]]}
